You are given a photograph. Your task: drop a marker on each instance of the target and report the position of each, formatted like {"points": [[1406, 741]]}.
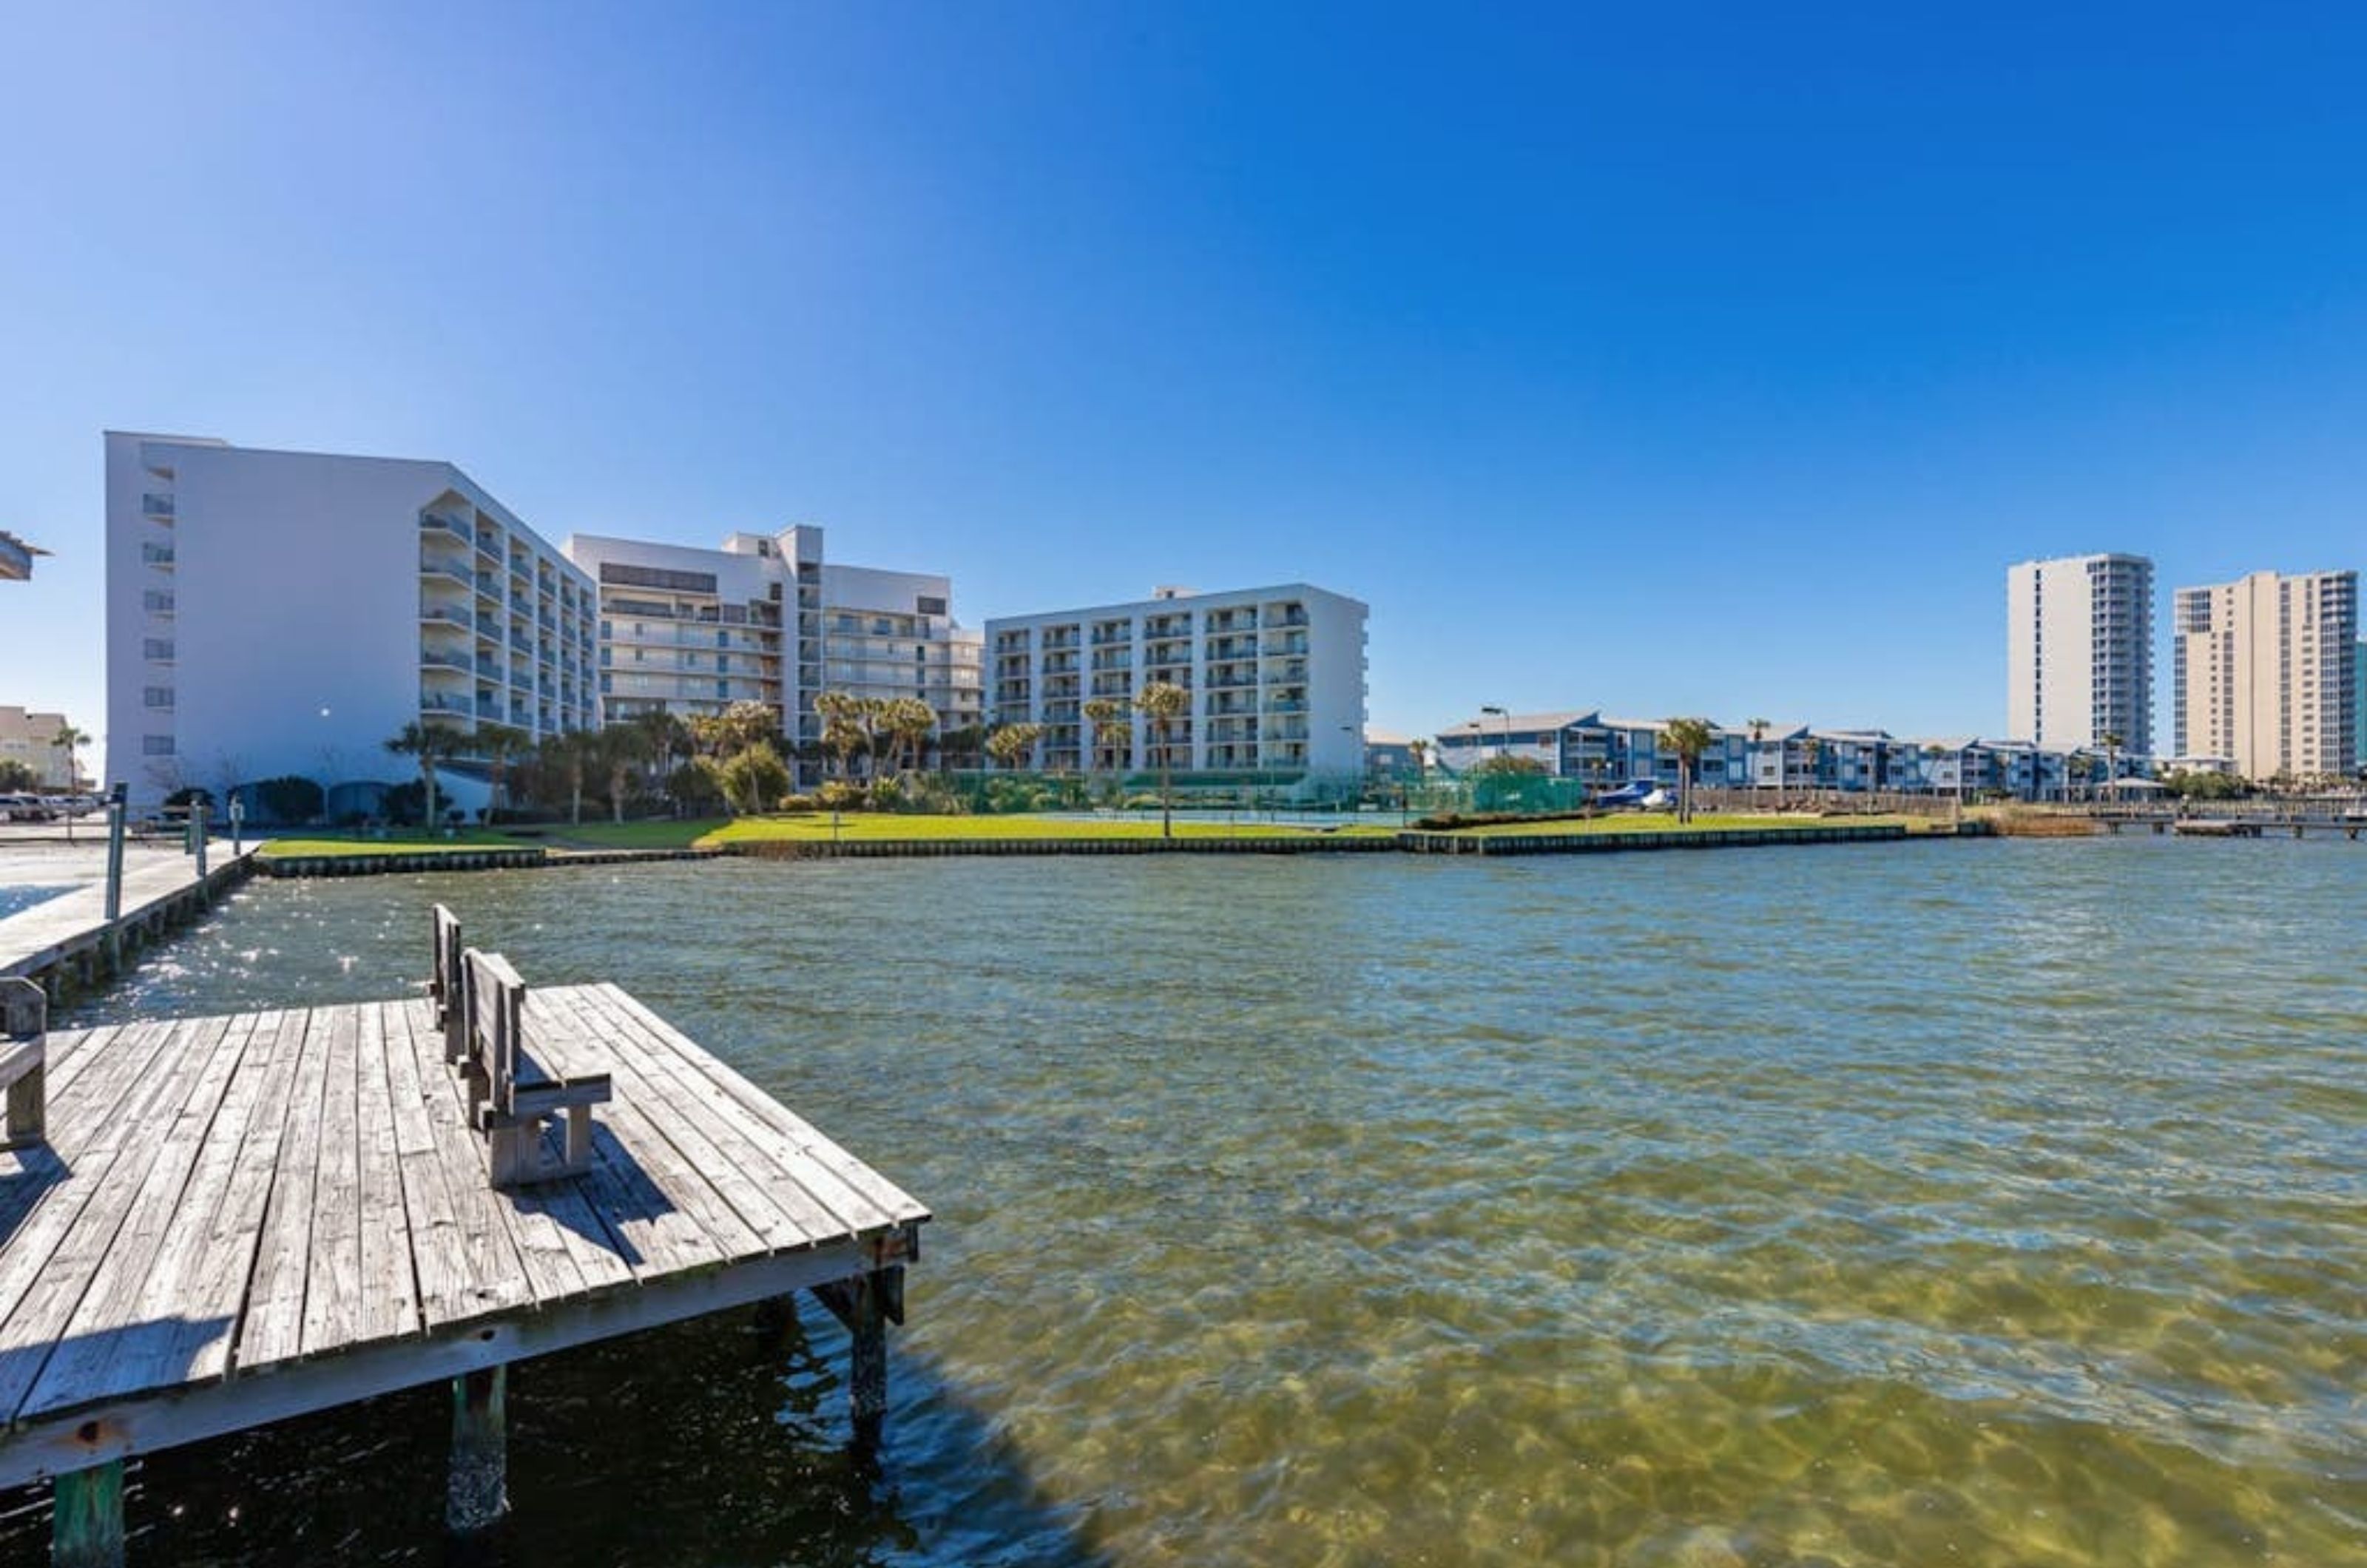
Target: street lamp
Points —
{"points": [[1506, 743]]}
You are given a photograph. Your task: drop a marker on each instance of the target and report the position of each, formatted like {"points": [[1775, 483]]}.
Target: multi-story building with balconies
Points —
{"points": [[1276, 678], [2266, 673], [765, 618], [274, 613], [30, 738], [2080, 651]]}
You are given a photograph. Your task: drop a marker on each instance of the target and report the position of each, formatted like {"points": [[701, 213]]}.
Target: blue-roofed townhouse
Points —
{"points": [[1547, 739]]}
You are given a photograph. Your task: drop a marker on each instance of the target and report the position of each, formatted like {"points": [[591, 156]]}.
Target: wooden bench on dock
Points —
{"points": [[236, 1219], [518, 1080], [24, 1060]]}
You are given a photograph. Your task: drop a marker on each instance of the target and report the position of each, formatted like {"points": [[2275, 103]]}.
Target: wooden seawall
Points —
{"points": [[1669, 838]]}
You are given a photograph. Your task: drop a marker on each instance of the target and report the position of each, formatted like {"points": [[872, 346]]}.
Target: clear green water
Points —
{"points": [[1981, 1203]]}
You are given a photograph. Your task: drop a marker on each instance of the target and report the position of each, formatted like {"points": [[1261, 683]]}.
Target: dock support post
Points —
{"points": [[867, 1303], [117, 805], [478, 1495], [86, 1525]]}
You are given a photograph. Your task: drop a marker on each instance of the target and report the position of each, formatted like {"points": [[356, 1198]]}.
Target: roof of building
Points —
{"points": [[1489, 724]]}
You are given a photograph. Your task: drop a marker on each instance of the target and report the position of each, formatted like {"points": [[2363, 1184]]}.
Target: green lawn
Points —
{"points": [[393, 843], [661, 835], [815, 827], [1666, 822]]}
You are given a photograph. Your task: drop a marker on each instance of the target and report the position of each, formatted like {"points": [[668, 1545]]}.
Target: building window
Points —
{"points": [[929, 604], [158, 697], [156, 745]]}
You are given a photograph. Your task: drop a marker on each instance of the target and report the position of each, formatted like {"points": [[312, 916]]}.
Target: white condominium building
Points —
{"points": [[2080, 651], [1276, 677], [29, 738], [766, 618], [275, 613], [2265, 672]]}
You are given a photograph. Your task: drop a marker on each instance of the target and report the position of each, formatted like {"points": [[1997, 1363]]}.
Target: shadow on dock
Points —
{"points": [[719, 1440]]}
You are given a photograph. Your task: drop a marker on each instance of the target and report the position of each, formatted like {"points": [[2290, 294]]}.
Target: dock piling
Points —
{"points": [[86, 1526], [865, 1304], [478, 1495]]}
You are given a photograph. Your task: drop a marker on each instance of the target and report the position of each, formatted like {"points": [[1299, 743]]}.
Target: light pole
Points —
{"points": [[1503, 747], [1506, 744]]}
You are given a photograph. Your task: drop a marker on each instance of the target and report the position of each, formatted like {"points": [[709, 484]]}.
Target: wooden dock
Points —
{"points": [[238, 1219], [69, 937]]}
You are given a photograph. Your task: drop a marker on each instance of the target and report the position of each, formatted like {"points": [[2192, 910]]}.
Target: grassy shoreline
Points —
{"points": [[817, 828]]}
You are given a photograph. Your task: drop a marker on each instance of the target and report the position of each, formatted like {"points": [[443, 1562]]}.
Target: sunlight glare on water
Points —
{"points": [[1982, 1203]]}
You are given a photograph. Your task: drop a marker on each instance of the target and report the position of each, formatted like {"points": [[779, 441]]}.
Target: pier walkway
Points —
{"points": [[69, 937], [238, 1219]]}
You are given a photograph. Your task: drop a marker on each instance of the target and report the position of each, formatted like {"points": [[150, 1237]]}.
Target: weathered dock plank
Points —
{"points": [[241, 1218]]}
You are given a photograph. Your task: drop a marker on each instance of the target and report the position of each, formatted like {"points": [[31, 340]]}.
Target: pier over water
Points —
{"points": [[230, 1219]]}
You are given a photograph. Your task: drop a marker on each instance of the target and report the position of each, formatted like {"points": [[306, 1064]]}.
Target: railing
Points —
{"points": [[438, 660], [429, 703], [156, 555], [443, 614], [156, 505], [437, 520]]}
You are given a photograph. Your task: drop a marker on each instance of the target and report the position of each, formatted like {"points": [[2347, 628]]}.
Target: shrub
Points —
{"points": [[695, 788], [405, 803], [1448, 821], [797, 802], [289, 800], [837, 795], [754, 776]]}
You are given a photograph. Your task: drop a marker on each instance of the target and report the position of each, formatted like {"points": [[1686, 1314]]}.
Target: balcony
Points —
{"points": [[437, 523], [157, 555], [158, 507], [445, 615], [438, 659], [437, 701]]}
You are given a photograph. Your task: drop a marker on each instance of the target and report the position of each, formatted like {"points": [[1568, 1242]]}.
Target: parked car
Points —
{"points": [[24, 808]]}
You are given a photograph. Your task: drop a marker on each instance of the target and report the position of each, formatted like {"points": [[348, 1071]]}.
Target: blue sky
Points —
{"points": [[1671, 358]]}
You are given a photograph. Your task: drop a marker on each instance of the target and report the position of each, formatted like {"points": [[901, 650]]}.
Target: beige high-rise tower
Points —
{"points": [[2078, 642], [2266, 668]]}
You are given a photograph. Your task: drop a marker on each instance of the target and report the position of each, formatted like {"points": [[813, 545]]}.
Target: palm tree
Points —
{"points": [[907, 722], [618, 751], [70, 740], [1010, 743], [665, 735], [846, 729], [1759, 728], [1112, 722], [431, 741], [1162, 703], [568, 755], [1688, 738], [1812, 752], [498, 745], [2111, 740]]}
